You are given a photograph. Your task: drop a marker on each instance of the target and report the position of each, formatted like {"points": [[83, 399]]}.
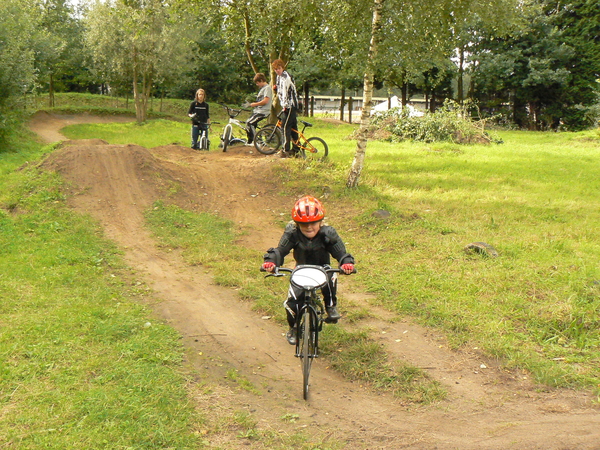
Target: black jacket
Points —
{"points": [[201, 110], [316, 251]]}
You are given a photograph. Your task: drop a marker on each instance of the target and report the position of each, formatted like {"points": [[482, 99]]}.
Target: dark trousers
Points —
{"points": [[296, 298], [251, 124], [289, 124]]}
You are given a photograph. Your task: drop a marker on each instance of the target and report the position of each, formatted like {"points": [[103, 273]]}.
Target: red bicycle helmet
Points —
{"points": [[307, 210]]}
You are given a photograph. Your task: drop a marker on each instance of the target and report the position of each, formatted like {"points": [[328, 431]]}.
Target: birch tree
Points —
{"points": [[365, 119]]}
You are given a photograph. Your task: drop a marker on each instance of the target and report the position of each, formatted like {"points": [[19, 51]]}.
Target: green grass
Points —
{"points": [[533, 198], [82, 363], [75, 102], [153, 133]]}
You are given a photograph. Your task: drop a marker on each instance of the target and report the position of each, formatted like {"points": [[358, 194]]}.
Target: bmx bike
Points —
{"points": [[203, 141], [270, 138], [311, 312], [227, 138]]}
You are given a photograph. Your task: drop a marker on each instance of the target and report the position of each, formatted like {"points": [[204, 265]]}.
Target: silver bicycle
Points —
{"points": [[227, 138]]}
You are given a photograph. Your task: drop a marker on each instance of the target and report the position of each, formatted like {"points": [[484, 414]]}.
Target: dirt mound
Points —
{"points": [[487, 407], [116, 183]]}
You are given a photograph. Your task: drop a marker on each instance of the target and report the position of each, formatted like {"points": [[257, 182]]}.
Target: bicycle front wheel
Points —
{"points": [[226, 137], [268, 140], [314, 148], [307, 346]]}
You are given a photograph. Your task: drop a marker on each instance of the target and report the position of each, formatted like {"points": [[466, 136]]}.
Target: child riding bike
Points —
{"points": [[312, 243]]}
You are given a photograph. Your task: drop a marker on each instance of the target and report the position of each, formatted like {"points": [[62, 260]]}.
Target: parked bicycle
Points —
{"points": [[227, 138], [311, 313], [270, 138], [203, 141]]}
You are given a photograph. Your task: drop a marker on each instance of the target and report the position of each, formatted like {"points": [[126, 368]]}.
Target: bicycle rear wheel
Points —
{"points": [[268, 140], [307, 330], [314, 148], [226, 137]]}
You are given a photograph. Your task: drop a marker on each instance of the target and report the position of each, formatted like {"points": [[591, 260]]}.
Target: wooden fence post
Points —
{"points": [[350, 100]]}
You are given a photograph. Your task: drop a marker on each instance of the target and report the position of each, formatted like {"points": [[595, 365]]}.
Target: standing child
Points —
{"points": [[288, 98], [313, 243], [200, 115], [262, 106]]}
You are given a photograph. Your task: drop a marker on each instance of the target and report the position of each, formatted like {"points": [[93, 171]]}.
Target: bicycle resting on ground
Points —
{"points": [[311, 312], [227, 138], [270, 139]]}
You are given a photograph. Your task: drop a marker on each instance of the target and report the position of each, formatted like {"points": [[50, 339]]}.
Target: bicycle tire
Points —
{"points": [[268, 140], [307, 346], [226, 136], [203, 143], [319, 145]]}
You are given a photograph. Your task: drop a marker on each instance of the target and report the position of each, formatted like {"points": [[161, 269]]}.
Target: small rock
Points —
{"points": [[381, 214], [481, 248]]}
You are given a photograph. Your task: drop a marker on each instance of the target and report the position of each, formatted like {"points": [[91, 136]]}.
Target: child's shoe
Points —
{"points": [[291, 336], [333, 314]]}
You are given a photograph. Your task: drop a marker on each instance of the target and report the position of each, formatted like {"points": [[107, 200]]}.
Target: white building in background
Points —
{"points": [[394, 102], [330, 104]]}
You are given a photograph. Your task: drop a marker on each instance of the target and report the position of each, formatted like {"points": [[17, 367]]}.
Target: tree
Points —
{"points": [[279, 29], [58, 43], [407, 30], [137, 40], [365, 119], [579, 23], [17, 72], [547, 71]]}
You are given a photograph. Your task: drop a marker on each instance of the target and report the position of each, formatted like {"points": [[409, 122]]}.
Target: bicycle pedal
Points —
{"points": [[328, 320]]}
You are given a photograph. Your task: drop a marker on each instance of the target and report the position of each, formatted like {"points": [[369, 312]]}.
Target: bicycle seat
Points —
{"points": [[306, 124]]}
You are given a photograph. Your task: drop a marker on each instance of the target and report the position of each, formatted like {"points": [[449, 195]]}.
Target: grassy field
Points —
{"points": [[83, 364], [70, 308]]}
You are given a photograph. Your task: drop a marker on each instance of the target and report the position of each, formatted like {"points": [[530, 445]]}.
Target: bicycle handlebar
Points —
{"points": [[233, 112], [285, 269]]}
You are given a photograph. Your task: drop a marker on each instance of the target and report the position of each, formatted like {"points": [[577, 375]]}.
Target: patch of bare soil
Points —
{"points": [[487, 407]]}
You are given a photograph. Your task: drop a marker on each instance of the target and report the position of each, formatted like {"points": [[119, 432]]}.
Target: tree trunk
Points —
{"points": [[138, 97], [142, 87], [404, 94], [365, 120], [247, 39], [305, 111], [461, 71], [51, 91], [342, 102]]}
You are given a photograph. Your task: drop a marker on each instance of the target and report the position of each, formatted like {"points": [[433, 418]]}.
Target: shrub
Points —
{"points": [[452, 122]]}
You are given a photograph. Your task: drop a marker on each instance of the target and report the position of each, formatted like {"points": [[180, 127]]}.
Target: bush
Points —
{"points": [[452, 122]]}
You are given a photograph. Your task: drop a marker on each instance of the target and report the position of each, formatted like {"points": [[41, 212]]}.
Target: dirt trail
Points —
{"points": [[487, 407]]}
